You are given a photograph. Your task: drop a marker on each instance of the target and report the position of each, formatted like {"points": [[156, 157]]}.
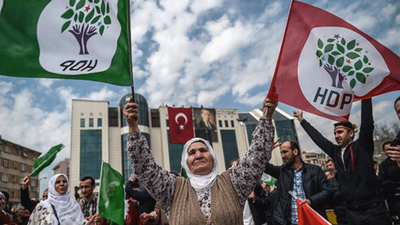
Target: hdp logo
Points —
{"points": [[335, 64], [78, 36]]}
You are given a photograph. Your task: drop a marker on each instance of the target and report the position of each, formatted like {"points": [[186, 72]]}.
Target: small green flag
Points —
{"points": [[111, 196], [268, 179], [45, 160], [66, 39]]}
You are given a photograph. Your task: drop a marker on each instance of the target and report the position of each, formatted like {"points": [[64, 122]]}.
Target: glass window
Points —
{"points": [[232, 123], [13, 178], [12, 194], [7, 149], [99, 122], [4, 177], [33, 182], [229, 146], [91, 151], [82, 122], [15, 165], [167, 123], [90, 122], [23, 167], [6, 163], [226, 123], [220, 123], [175, 155]]}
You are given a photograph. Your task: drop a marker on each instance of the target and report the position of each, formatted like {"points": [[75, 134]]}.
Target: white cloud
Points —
{"points": [[207, 98], [388, 10], [46, 82]]}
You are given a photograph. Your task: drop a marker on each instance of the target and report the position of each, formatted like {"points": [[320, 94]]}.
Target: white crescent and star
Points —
{"points": [[181, 126]]}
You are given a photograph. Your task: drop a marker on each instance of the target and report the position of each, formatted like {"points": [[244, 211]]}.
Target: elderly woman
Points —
{"points": [[60, 207], [205, 197]]}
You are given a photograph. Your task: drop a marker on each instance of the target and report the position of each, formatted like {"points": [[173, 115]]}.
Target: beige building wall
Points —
{"points": [[87, 109], [16, 162]]}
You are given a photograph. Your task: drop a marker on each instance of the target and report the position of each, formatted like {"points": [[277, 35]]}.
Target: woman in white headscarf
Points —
{"points": [[60, 208], [205, 197]]}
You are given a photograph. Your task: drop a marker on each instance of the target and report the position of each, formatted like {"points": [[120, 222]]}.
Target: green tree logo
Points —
{"points": [[84, 20], [344, 60]]}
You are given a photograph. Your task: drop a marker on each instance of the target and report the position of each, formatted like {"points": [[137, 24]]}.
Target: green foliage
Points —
{"points": [[346, 57], [88, 12]]}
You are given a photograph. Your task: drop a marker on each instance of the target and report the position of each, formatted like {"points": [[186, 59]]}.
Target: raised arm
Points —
{"points": [[248, 170], [323, 143], [158, 182], [366, 136]]}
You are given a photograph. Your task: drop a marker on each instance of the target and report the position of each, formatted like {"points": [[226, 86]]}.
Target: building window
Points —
{"points": [[13, 194], [167, 123], [13, 178], [232, 123], [33, 183], [6, 163], [4, 177], [24, 155], [91, 151], [23, 167], [229, 146], [15, 165], [7, 148], [220, 123], [99, 122], [20, 180], [226, 123], [82, 122], [90, 122]]}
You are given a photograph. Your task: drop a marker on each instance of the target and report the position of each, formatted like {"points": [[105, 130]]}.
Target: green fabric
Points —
{"points": [[45, 160], [20, 45], [111, 196]]}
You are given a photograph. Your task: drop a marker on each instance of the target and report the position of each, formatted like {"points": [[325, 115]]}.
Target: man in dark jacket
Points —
{"points": [[353, 160], [307, 182]]}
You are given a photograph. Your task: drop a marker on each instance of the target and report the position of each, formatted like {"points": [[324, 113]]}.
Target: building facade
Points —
{"points": [[62, 167], [314, 158], [16, 163], [99, 133]]}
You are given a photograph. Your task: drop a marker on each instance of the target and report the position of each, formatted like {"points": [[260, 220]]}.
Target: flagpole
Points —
{"points": [[280, 51], [130, 49]]}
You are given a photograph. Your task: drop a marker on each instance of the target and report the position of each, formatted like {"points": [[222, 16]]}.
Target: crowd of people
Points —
{"points": [[358, 189]]}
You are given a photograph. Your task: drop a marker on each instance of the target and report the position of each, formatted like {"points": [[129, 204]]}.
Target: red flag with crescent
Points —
{"points": [[180, 124], [308, 216], [325, 64]]}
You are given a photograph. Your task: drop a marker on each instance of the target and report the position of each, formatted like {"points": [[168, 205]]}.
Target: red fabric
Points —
{"points": [[180, 124], [132, 217], [302, 19], [307, 216]]}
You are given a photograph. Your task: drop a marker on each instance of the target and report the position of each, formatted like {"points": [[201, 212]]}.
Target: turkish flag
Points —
{"points": [[180, 124], [307, 216], [326, 63]]}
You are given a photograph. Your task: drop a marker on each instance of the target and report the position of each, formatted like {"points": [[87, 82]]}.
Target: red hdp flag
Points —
{"points": [[326, 63], [307, 216], [180, 124]]}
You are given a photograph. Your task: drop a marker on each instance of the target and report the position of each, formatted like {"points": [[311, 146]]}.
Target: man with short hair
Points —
{"points": [[307, 182], [88, 202], [358, 182]]}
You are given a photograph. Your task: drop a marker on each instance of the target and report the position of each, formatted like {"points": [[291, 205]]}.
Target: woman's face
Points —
{"points": [[199, 161], [2, 202], [22, 211], [61, 185]]}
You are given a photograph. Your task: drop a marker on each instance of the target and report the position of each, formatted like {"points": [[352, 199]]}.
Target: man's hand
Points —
{"points": [[299, 115], [131, 112], [251, 195], [306, 201], [269, 106], [394, 153], [25, 182], [276, 144], [132, 177]]}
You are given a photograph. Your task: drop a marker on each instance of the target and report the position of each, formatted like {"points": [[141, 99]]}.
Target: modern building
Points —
{"points": [[99, 133], [16, 163], [62, 167]]}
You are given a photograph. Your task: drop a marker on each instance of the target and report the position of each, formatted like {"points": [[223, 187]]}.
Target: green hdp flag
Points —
{"points": [[268, 179], [66, 39], [111, 197], [45, 160]]}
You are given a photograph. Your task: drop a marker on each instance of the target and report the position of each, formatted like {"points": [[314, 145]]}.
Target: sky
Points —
{"points": [[215, 53]]}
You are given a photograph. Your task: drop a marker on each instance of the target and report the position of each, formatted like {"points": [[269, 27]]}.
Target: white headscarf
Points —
{"points": [[4, 204], [68, 210], [200, 182]]}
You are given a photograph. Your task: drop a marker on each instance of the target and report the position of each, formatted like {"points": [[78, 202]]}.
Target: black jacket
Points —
{"points": [[259, 205], [359, 186], [315, 185], [26, 201], [146, 202]]}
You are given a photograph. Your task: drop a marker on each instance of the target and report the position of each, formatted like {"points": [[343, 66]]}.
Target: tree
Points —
{"points": [[343, 60], [85, 21]]}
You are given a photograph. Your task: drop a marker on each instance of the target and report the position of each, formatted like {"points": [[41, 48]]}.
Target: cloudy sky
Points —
{"points": [[215, 53]]}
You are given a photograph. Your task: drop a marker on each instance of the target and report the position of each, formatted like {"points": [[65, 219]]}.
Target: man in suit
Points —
{"points": [[205, 128]]}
